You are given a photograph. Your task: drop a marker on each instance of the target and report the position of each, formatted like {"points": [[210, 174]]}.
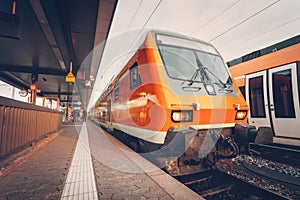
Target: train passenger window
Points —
{"points": [[298, 77], [242, 89], [283, 94], [256, 97], [116, 92], [135, 78]]}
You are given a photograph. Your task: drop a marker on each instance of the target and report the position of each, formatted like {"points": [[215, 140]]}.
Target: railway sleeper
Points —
{"points": [[198, 181], [216, 190]]}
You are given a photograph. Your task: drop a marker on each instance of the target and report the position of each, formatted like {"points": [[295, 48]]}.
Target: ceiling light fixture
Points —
{"points": [[70, 78]]}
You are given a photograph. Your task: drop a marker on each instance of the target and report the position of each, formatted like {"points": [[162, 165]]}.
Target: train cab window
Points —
{"points": [[256, 97], [191, 60], [283, 94], [116, 92], [135, 78]]}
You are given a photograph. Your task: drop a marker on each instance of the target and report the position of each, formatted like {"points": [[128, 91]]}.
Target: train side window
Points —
{"points": [[135, 78], [242, 89], [256, 97], [298, 78], [116, 92]]}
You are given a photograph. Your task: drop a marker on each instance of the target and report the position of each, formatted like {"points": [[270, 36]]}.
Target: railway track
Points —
{"points": [[272, 173], [214, 184], [244, 177], [285, 154]]}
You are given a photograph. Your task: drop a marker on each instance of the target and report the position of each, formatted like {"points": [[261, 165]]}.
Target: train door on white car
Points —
{"points": [[284, 100], [273, 98], [256, 97]]}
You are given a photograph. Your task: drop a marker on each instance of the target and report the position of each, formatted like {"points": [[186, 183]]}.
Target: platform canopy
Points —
{"points": [[40, 38]]}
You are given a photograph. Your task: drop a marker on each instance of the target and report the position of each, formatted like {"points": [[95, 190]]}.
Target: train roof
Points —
{"points": [[141, 39], [264, 51], [176, 34]]}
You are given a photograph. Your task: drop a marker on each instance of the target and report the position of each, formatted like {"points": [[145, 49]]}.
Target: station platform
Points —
{"points": [[85, 162], [287, 141]]}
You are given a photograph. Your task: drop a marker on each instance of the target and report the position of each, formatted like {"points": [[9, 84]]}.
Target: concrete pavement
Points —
{"points": [[101, 168]]}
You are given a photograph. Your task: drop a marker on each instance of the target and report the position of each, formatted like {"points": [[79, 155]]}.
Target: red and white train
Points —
{"points": [[172, 84]]}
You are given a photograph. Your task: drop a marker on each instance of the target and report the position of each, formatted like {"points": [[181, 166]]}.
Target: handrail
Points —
{"points": [[19, 104], [22, 124]]}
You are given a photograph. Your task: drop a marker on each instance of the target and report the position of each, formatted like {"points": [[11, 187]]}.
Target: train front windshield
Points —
{"points": [[192, 61]]}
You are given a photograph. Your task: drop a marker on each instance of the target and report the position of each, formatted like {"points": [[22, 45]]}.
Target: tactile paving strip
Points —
{"points": [[80, 183]]}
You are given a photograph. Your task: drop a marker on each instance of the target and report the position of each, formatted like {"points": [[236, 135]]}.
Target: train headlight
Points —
{"points": [[182, 116], [241, 114]]}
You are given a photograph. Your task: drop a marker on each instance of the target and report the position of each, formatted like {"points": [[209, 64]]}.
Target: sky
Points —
{"points": [[9, 91], [234, 27]]}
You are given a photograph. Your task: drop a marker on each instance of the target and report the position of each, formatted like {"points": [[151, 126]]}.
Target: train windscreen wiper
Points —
{"points": [[189, 86], [195, 75], [220, 83], [198, 71]]}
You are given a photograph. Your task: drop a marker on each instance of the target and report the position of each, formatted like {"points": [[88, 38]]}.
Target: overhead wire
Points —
{"points": [[156, 7], [274, 28], [129, 49], [218, 15], [138, 34], [135, 13], [243, 21]]}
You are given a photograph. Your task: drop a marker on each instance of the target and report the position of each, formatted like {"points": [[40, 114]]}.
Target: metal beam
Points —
{"points": [[58, 93], [30, 69], [62, 9], [42, 18], [12, 80], [66, 101]]}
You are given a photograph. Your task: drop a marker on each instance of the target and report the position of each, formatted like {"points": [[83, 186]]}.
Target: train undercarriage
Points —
{"points": [[188, 151], [227, 154], [215, 153]]}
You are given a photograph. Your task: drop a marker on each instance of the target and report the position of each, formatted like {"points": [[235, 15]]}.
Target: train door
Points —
{"points": [[256, 97], [284, 100], [109, 122]]}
